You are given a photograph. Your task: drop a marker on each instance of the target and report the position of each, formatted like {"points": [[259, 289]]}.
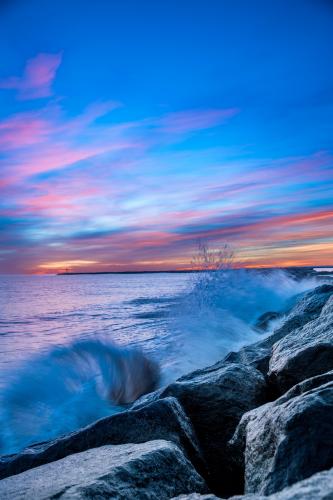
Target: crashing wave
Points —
{"points": [[71, 387]]}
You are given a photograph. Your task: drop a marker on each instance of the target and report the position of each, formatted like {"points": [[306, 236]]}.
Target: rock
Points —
{"points": [[265, 319], [195, 496], [148, 398], [307, 385], [215, 400], [317, 487], [287, 440], [250, 496], [163, 419], [252, 355], [304, 311], [304, 353], [153, 470]]}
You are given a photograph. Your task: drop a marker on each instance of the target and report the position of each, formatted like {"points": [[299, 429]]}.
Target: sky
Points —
{"points": [[130, 131]]}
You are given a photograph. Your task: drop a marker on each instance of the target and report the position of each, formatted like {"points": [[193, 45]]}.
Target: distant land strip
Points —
{"points": [[307, 269], [132, 272]]}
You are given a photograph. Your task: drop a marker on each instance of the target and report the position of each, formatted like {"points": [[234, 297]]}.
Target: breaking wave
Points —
{"points": [[70, 387], [219, 313]]}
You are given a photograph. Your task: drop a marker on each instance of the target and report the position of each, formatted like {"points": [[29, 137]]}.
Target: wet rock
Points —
{"points": [[304, 353], [163, 419], [147, 398], [265, 319], [153, 470], [252, 355], [287, 440], [306, 309], [215, 400]]}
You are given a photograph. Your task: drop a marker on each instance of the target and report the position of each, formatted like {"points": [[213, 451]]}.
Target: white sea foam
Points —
{"points": [[219, 313]]}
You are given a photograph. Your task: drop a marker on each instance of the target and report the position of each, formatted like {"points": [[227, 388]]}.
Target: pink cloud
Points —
{"points": [[83, 121], [285, 225], [63, 206], [189, 121], [60, 155], [22, 130], [37, 78], [36, 142]]}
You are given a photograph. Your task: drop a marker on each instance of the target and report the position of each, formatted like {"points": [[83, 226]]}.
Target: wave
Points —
{"points": [[70, 387], [151, 314], [219, 313], [151, 300]]}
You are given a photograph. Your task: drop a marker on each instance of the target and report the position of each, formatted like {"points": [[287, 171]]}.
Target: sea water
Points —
{"points": [[75, 348]]}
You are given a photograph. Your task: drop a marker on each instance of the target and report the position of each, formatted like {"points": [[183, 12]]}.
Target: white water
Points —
{"points": [[77, 348]]}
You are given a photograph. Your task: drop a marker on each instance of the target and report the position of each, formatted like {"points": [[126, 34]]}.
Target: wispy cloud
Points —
{"points": [[22, 130], [45, 140], [191, 120], [36, 81]]}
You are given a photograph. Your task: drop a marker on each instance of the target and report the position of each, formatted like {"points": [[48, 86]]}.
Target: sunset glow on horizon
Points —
{"points": [[131, 132]]}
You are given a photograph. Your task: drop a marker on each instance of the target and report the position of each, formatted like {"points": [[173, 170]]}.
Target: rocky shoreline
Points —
{"points": [[258, 424]]}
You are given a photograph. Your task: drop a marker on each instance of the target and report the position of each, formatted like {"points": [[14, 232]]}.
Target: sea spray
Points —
{"points": [[219, 313], [70, 387]]}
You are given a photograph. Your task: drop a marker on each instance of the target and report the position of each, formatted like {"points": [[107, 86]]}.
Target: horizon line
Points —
{"points": [[182, 271]]}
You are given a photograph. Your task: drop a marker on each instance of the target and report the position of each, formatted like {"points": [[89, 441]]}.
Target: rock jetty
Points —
{"points": [[256, 425]]}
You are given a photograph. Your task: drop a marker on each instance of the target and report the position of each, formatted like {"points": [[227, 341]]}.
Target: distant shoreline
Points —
{"points": [[183, 271], [130, 272]]}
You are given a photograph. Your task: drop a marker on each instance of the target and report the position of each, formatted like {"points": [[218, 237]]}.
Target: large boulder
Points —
{"points": [[153, 470], [255, 355], [287, 440], [306, 309], [304, 353], [215, 400], [162, 419], [307, 385], [317, 487]]}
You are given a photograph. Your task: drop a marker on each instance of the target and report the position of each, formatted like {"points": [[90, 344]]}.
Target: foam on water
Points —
{"points": [[72, 385]]}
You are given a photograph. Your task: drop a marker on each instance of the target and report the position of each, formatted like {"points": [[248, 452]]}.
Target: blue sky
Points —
{"points": [[129, 130]]}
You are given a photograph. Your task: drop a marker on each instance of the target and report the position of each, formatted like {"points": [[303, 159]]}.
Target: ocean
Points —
{"points": [[76, 348]]}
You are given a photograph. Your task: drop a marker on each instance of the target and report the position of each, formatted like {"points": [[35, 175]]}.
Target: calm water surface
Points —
{"points": [[37, 312]]}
